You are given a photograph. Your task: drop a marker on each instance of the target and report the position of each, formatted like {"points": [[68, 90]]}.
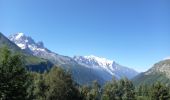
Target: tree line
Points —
{"points": [[16, 83]]}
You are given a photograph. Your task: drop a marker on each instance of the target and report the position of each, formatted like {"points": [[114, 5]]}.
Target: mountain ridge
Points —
{"points": [[105, 65], [39, 50]]}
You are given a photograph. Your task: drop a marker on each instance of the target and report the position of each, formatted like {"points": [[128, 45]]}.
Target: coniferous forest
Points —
{"points": [[17, 83]]}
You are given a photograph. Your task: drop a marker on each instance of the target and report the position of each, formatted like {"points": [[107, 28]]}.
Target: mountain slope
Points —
{"points": [[159, 72], [32, 62]]}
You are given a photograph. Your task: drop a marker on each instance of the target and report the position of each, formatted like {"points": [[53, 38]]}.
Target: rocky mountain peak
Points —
{"points": [[28, 44]]}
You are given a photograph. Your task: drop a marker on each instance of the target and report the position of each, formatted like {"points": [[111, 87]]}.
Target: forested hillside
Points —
{"points": [[16, 83]]}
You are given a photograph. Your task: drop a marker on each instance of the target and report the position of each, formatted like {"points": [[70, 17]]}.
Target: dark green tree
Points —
{"points": [[95, 91], [110, 90], [37, 87], [119, 90], [142, 92], [159, 92], [60, 86], [92, 92], [126, 89], [85, 92], [13, 76]]}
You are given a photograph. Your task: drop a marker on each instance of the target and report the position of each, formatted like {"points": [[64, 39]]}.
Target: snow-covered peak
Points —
{"points": [[101, 61], [105, 65], [95, 62], [19, 35], [21, 40], [38, 49], [27, 43]]}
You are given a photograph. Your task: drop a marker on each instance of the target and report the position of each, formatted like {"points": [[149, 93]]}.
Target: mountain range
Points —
{"points": [[84, 69]]}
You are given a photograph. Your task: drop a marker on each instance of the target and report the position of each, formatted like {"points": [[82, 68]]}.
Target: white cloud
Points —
{"points": [[166, 58]]}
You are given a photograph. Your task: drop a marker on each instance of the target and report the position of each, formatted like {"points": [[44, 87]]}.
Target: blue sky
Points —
{"points": [[134, 33]]}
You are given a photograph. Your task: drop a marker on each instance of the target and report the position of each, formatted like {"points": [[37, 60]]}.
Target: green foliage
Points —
{"points": [[60, 85], [33, 60], [91, 92], [85, 92], [18, 84], [110, 91], [95, 91], [142, 98], [13, 77], [159, 92], [143, 92], [119, 90], [127, 88], [37, 87]]}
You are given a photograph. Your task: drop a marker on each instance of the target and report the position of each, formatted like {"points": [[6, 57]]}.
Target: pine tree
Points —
{"points": [[127, 89], [110, 91], [13, 77]]}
